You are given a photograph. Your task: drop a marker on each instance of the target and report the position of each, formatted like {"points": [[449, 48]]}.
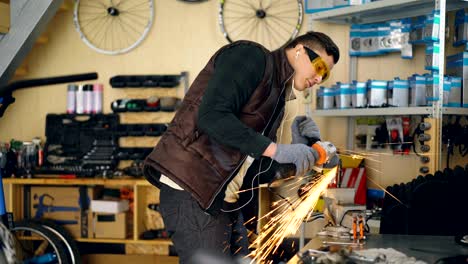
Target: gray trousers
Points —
{"points": [[192, 230]]}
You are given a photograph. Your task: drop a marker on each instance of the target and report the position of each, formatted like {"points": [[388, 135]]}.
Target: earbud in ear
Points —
{"points": [[297, 54]]}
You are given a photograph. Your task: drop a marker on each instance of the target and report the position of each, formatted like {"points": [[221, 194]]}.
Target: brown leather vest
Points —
{"points": [[196, 162]]}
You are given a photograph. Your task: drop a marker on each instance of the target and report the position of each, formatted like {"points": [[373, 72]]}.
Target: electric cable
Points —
{"points": [[346, 212], [261, 160], [314, 216]]}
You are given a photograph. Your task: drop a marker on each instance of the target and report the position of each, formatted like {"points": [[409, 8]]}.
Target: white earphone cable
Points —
{"points": [[261, 160]]}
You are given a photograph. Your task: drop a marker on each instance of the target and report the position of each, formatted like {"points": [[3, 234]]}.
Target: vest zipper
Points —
{"points": [[245, 156]]}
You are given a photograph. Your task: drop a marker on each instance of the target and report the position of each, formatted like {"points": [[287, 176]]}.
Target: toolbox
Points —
{"points": [[84, 145]]}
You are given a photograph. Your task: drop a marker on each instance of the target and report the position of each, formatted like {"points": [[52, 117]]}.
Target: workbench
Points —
{"points": [[425, 248]]}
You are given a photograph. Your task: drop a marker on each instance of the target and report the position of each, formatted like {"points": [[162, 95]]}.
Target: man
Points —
{"points": [[227, 121]]}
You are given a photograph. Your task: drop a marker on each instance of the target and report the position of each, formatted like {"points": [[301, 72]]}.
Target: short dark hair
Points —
{"points": [[318, 41]]}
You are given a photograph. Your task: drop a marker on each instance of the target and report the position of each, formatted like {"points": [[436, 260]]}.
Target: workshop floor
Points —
{"points": [[125, 259]]}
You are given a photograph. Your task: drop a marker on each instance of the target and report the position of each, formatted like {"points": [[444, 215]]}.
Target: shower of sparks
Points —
{"points": [[387, 192], [289, 219], [288, 214], [366, 156]]}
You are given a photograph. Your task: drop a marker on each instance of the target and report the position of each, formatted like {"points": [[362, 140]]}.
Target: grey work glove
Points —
{"points": [[302, 156], [302, 128]]}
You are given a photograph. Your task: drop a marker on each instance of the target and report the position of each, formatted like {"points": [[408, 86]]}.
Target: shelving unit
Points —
{"points": [[424, 110], [15, 203], [143, 191], [381, 11], [83, 181], [455, 111], [374, 111]]}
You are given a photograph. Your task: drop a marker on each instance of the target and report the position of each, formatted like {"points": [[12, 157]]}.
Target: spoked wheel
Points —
{"points": [[113, 26], [65, 238], [36, 244], [272, 23], [7, 245]]}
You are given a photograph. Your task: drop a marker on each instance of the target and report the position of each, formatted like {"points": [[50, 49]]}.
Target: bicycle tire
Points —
{"points": [[44, 233], [270, 23], [113, 28], [7, 245], [68, 241]]}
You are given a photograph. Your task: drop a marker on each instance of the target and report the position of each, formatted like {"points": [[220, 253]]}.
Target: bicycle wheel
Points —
{"points": [[113, 26], [66, 239], [272, 23], [36, 244], [7, 245]]}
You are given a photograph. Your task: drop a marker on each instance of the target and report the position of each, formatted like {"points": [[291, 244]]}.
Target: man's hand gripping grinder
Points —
{"points": [[326, 155]]}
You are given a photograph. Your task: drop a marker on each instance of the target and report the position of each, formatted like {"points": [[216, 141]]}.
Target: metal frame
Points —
{"points": [[388, 10], [379, 11], [29, 20]]}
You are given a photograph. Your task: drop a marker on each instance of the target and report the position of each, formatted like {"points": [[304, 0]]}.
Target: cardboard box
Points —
{"points": [[457, 65], [106, 225], [64, 205], [113, 207]]}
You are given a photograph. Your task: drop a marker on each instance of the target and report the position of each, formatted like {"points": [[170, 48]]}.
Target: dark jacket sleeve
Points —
{"points": [[238, 71]]}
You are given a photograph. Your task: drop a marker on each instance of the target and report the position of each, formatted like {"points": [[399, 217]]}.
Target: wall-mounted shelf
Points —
{"points": [[78, 181], [455, 111], [159, 241], [389, 111], [383, 10], [141, 189]]}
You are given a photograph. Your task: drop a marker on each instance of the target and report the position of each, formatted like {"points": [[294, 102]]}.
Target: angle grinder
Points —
{"points": [[284, 172]]}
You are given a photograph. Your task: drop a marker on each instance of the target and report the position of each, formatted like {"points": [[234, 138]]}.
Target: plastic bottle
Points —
{"points": [[88, 98], [39, 151], [71, 98], [80, 100], [97, 98]]}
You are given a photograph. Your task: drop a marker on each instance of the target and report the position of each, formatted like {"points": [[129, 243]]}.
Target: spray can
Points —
{"points": [[71, 98], [97, 98], [29, 159], [80, 100], [88, 98], [39, 151]]}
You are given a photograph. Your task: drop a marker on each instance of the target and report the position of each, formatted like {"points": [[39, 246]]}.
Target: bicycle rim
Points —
{"points": [[7, 245], [272, 23], [65, 237], [33, 241], [113, 26]]}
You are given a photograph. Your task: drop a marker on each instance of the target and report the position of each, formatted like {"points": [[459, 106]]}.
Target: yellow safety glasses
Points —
{"points": [[321, 68]]}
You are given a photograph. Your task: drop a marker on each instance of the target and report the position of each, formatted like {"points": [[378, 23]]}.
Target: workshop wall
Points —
{"points": [[182, 38], [383, 167]]}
